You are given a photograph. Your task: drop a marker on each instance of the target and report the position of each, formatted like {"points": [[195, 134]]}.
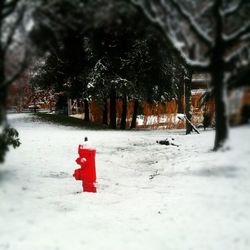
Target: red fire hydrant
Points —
{"points": [[86, 173]]}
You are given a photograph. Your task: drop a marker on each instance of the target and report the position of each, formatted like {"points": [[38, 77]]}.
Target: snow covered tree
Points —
{"points": [[124, 59], [133, 57], [148, 66], [211, 36], [62, 69], [62, 51]]}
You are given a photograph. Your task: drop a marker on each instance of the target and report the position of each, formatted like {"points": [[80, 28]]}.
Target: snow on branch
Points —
{"points": [[237, 34], [245, 37], [139, 4], [8, 8], [233, 9], [204, 10], [200, 33], [235, 54], [165, 26]]}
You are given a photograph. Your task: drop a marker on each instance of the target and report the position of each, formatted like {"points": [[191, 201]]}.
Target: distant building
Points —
{"points": [[201, 81], [238, 104]]}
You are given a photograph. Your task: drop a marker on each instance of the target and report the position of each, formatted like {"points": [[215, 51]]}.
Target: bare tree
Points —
{"points": [[211, 36], [13, 61], [13, 55]]}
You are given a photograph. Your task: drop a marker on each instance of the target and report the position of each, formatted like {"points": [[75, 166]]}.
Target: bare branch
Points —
{"points": [[13, 30], [193, 24], [245, 37], [204, 10], [232, 38], [174, 44], [235, 54], [8, 8], [233, 9], [140, 7]]}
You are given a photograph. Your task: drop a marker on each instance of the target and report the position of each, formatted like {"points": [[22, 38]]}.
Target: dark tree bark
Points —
{"points": [[217, 72], [105, 112], [3, 98], [134, 117], [188, 101], [112, 123], [180, 109], [3, 90], [124, 112], [180, 93], [86, 110]]}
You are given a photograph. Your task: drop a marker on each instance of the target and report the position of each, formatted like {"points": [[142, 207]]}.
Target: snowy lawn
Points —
{"points": [[149, 197]]}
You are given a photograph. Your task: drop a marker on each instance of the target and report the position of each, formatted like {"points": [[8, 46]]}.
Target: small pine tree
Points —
{"points": [[8, 137]]}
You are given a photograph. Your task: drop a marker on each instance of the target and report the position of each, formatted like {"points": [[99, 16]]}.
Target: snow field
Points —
{"points": [[149, 196]]}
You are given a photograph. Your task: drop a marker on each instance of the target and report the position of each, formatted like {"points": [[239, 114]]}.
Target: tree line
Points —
{"points": [[105, 55], [133, 50], [93, 50]]}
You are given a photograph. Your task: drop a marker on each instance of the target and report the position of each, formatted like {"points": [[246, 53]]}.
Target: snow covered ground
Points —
{"points": [[150, 196]]}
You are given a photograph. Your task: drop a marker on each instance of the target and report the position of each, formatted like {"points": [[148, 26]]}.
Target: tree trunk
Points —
{"points": [[221, 118], [217, 72], [105, 112], [179, 103], [188, 101], [134, 117], [180, 93], [3, 100], [69, 101], [3, 89], [112, 123], [86, 110], [124, 112]]}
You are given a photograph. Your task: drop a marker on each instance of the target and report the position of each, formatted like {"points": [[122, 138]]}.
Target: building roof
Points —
{"points": [[201, 81]]}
